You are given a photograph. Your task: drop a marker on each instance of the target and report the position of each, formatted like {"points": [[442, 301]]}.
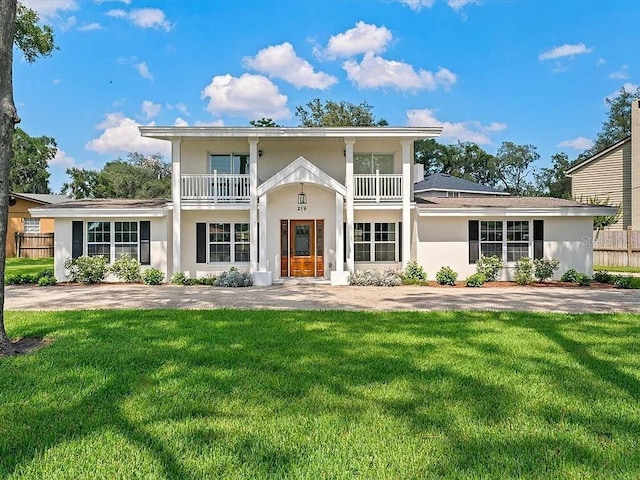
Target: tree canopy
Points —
{"points": [[32, 39], [337, 114], [29, 171], [264, 122]]}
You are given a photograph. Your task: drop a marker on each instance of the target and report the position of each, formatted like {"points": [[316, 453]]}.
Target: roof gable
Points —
{"points": [[446, 182], [302, 170], [598, 155]]}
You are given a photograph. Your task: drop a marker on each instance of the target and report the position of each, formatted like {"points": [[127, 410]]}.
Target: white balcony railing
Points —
{"points": [[377, 187], [216, 188]]}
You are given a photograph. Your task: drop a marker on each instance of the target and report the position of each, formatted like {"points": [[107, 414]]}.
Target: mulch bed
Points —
{"points": [[27, 345]]}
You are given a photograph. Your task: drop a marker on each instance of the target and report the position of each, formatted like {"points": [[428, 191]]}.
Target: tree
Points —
{"points": [[264, 122], [30, 163], [512, 165], [553, 182], [140, 176], [18, 25], [617, 125], [337, 114]]}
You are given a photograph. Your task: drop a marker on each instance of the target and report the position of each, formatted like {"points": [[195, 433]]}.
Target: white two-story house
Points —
{"points": [[312, 202]]}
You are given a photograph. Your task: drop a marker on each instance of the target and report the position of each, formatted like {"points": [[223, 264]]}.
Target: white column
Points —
{"points": [[339, 266], [406, 201], [176, 200], [253, 203], [263, 233], [350, 214]]}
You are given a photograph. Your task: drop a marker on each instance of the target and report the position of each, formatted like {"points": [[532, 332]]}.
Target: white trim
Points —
{"points": [[515, 212], [301, 170], [377, 206], [206, 205], [99, 212], [480, 192]]}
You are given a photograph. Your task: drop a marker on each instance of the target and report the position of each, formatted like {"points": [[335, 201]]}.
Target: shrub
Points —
{"points": [[570, 275], [87, 269], [544, 268], [446, 276], [376, 278], [234, 278], [127, 269], [583, 280], [20, 279], [622, 282], [489, 267], [178, 278], [524, 271], [209, 280], [476, 280], [47, 281], [152, 276], [414, 273], [602, 276]]}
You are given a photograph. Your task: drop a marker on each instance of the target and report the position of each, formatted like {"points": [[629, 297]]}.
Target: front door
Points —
{"points": [[302, 248]]}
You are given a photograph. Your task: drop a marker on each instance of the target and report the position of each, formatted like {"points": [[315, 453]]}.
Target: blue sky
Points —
{"points": [[534, 72]]}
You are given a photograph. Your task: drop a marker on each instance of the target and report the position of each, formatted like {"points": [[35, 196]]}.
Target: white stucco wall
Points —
{"points": [[445, 242], [381, 216]]}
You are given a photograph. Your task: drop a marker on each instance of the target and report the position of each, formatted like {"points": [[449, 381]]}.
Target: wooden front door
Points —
{"points": [[302, 248]]}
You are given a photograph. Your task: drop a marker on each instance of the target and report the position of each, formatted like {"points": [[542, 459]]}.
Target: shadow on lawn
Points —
{"points": [[133, 371]]}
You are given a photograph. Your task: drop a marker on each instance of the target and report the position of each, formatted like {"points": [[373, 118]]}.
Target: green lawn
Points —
{"points": [[268, 394], [617, 269], [24, 266]]}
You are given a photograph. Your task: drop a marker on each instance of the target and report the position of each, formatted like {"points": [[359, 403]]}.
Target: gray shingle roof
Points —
{"points": [[111, 203], [42, 197], [499, 202], [444, 181]]}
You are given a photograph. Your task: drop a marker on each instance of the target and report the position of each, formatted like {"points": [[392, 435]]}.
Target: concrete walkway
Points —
{"points": [[322, 297]]}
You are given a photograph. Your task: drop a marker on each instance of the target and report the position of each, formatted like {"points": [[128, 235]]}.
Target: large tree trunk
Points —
{"points": [[8, 119]]}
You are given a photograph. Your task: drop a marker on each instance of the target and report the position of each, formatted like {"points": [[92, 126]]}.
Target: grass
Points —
{"points": [[22, 266], [274, 394], [617, 269]]}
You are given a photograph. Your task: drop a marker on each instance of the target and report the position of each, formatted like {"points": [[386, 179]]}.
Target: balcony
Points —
{"points": [[215, 188], [378, 188]]}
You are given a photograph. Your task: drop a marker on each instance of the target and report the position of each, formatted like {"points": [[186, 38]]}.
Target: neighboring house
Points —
{"points": [[614, 173], [445, 185], [21, 221], [314, 202]]}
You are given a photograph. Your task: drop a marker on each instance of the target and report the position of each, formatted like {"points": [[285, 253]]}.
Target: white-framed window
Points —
{"points": [[229, 163], [509, 240], [382, 246], [31, 225], [368, 163], [229, 242], [126, 239], [453, 194], [99, 239]]}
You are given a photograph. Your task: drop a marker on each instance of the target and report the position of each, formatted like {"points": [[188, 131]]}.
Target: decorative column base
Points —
{"points": [[262, 279], [339, 278]]}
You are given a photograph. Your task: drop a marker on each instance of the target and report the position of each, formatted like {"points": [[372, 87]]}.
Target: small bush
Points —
{"points": [[127, 269], [414, 273], [476, 280], [446, 276], [234, 278], [583, 280], [376, 278], [209, 280], [152, 276], [602, 276], [47, 281], [87, 269], [570, 275], [178, 278], [622, 282], [524, 271], [20, 279], [544, 268], [489, 267]]}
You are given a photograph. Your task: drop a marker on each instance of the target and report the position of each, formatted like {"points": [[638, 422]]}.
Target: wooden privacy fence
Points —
{"points": [[34, 245], [616, 248]]}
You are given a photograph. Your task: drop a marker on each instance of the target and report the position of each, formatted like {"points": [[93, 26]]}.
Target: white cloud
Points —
{"points": [[143, 17], [181, 107], [143, 70], [121, 135], [48, 9], [180, 122], [362, 38], [462, 131], [215, 123], [621, 74], [62, 160], [250, 96], [580, 143], [89, 27], [281, 61], [70, 22], [627, 87], [418, 5], [566, 50], [460, 4], [376, 72], [150, 109]]}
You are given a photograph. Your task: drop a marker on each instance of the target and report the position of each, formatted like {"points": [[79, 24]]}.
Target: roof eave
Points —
{"points": [[515, 211]]}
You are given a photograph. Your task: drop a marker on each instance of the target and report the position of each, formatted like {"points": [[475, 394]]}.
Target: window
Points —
{"points": [[453, 194], [368, 163], [99, 239], [233, 163], [510, 239], [31, 225], [229, 242], [383, 243], [126, 239]]}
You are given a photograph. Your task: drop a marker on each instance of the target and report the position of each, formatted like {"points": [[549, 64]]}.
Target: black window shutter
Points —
{"points": [[201, 243], [344, 242], [538, 239], [145, 242], [474, 241], [77, 240], [256, 235], [399, 241]]}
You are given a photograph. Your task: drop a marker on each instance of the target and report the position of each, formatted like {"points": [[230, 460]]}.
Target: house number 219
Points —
{"points": [[302, 208]]}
